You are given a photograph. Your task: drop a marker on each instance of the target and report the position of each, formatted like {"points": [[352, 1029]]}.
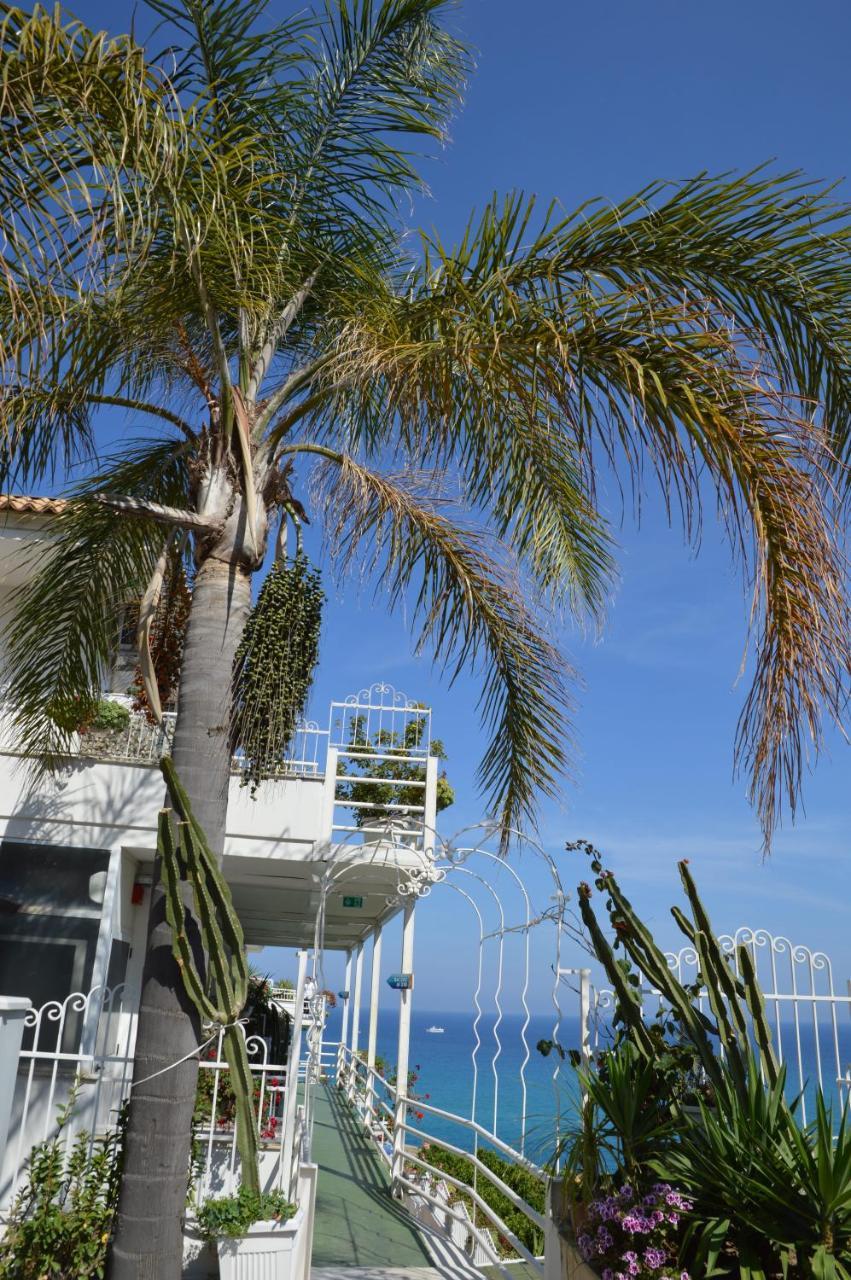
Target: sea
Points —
{"points": [[444, 1064]]}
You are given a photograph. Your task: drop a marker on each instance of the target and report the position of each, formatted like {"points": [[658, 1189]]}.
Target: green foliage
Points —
{"points": [[98, 715], [402, 747], [60, 1224], [777, 1192], [110, 716], [770, 1195], [518, 1179], [185, 858], [67, 618], [734, 996], [630, 1093], [274, 667], [231, 1216]]}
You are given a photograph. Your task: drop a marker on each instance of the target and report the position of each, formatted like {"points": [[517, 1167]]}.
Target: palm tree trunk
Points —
{"points": [[148, 1240]]}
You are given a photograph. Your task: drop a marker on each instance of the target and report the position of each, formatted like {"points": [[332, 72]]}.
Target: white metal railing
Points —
{"points": [[84, 1045], [145, 743], [810, 1019], [215, 1155], [388, 1117]]}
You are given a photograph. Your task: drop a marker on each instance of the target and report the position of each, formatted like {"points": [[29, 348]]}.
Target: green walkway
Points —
{"points": [[358, 1224]]}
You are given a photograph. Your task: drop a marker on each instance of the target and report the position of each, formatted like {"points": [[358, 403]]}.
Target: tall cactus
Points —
{"points": [[729, 993], [186, 857]]}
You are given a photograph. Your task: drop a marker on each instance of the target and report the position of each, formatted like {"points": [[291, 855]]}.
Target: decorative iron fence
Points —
{"points": [[83, 1047], [810, 1018], [145, 743]]}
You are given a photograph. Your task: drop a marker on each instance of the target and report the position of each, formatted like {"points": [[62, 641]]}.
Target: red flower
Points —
{"points": [[419, 1115]]}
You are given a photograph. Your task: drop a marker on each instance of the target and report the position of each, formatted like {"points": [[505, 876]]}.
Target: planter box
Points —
{"points": [[267, 1252]]}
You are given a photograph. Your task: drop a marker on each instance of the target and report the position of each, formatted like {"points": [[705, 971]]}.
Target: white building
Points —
{"points": [[77, 852]]}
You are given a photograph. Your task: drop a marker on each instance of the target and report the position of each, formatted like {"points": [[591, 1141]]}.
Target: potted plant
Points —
{"points": [[254, 1233]]}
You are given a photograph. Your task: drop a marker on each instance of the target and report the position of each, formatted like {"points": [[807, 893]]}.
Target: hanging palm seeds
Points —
{"points": [[274, 667]]}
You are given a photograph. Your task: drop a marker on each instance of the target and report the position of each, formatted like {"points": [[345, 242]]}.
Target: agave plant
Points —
{"points": [[775, 1193]]}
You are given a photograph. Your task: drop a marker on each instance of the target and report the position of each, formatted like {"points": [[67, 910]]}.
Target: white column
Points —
{"points": [[355, 1033], [344, 1025], [100, 999], [403, 1054], [374, 993], [288, 1174], [430, 804]]}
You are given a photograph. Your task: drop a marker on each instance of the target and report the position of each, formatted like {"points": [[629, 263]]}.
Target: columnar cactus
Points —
{"points": [[186, 858], [729, 993]]}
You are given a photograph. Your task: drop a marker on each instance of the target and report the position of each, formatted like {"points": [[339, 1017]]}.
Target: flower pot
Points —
{"points": [[268, 1249]]}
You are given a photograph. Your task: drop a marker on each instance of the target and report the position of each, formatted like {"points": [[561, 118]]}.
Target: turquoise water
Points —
{"points": [[444, 1066]]}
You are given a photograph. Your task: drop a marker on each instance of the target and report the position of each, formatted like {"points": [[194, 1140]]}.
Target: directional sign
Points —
{"points": [[401, 981], [353, 902], [344, 995]]}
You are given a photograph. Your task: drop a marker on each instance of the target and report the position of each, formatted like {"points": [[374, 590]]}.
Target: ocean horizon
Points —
{"points": [[445, 1072]]}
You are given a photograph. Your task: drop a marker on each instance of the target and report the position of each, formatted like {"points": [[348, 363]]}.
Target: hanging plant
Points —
{"points": [[274, 667]]}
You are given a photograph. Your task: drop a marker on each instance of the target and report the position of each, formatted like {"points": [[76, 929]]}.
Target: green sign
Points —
{"points": [[353, 902]]}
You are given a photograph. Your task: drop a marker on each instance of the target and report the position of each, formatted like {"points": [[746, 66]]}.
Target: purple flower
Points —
{"points": [[674, 1219], [604, 1240], [586, 1246], [631, 1223], [626, 1192], [608, 1274], [684, 1275], [655, 1258], [657, 1217]]}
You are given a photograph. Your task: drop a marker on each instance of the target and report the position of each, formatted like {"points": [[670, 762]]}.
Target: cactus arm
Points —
{"points": [[727, 1033], [187, 857], [701, 916], [214, 943], [231, 928], [759, 1018], [236, 1054], [653, 964], [717, 975], [628, 1002], [174, 911]]}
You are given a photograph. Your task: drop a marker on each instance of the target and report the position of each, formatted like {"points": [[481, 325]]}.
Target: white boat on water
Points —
{"points": [[435, 1031]]}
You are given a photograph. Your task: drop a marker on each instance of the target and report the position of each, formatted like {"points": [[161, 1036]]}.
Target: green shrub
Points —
{"points": [[110, 716], [231, 1216], [520, 1180], [61, 1221]]}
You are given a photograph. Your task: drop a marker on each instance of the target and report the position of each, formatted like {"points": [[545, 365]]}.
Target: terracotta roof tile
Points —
{"points": [[22, 504]]}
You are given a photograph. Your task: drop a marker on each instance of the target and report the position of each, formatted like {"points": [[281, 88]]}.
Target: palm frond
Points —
{"points": [[520, 350], [64, 631], [384, 73], [470, 611]]}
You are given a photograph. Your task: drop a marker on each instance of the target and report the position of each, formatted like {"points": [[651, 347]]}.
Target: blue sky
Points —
{"points": [[578, 100], [573, 101]]}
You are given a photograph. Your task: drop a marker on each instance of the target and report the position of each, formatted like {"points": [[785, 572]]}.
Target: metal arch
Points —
{"points": [[485, 853], [501, 939], [561, 899]]}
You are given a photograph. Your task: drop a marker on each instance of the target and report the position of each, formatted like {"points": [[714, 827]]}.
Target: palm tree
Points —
{"points": [[209, 238]]}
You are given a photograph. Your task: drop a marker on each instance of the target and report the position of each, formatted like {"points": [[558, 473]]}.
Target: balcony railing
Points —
{"points": [[144, 743]]}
